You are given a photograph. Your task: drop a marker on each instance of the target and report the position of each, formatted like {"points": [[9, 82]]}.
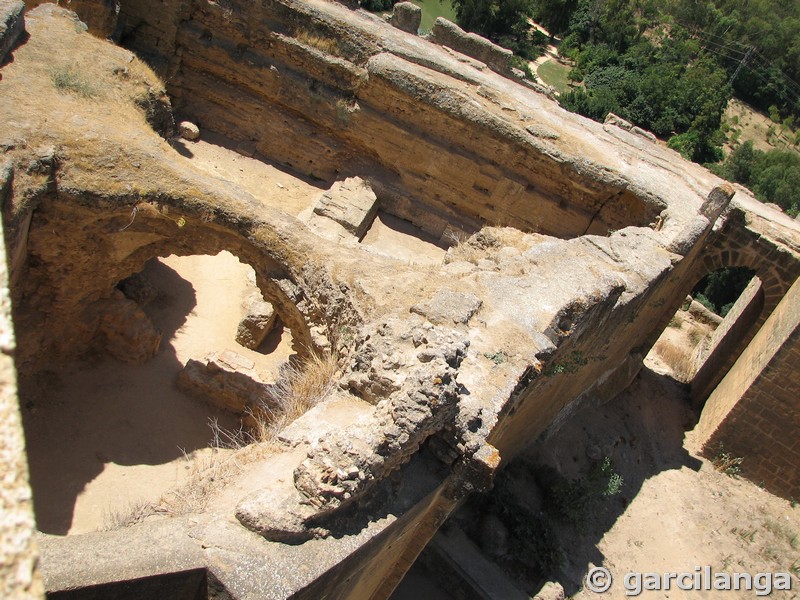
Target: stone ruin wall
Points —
{"points": [[739, 245], [382, 114], [18, 555], [19, 577], [290, 82]]}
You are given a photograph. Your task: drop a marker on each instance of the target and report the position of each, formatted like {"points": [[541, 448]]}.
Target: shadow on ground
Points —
{"points": [[80, 418]]}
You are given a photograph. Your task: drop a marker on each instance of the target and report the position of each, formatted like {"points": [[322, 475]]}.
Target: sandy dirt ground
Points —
{"points": [[387, 236], [103, 435], [264, 181], [675, 510], [399, 239]]}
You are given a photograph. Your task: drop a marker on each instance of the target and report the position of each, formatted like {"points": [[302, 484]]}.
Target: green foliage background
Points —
{"points": [[668, 66]]}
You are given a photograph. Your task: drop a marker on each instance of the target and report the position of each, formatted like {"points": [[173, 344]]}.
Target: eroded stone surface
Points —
{"points": [[127, 334], [276, 517], [257, 323], [12, 25], [351, 203], [448, 306], [228, 381], [406, 16], [449, 34]]}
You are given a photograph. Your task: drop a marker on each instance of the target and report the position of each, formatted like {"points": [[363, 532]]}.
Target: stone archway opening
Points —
{"points": [[711, 325], [123, 424]]}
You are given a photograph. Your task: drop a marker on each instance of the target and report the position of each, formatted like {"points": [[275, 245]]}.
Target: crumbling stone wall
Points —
{"points": [[100, 16], [294, 83], [151, 26], [18, 556], [449, 34], [61, 302]]}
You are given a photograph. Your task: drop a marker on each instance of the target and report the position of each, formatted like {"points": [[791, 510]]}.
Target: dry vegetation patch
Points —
{"points": [[676, 347], [742, 123]]}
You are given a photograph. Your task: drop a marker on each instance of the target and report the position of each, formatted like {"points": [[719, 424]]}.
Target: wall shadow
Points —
{"points": [[641, 433]]}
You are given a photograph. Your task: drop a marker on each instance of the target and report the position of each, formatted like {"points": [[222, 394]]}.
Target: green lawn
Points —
{"points": [[554, 74], [432, 9]]}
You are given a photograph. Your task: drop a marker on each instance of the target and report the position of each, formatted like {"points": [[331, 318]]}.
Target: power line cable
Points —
{"points": [[765, 71]]}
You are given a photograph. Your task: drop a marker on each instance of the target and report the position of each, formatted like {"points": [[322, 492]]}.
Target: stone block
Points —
{"points": [[12, 24], [447, 33], [188, 131], [227, 381], [257, 323], [351, 203], [406, 16], [448, 306], [126, 332], [137, 288]]}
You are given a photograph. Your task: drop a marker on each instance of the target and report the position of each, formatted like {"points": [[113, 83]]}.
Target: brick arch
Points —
{"points": [[773, 286], [777, 269]]}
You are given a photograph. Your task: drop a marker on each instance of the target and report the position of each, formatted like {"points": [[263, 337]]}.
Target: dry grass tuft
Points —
{"points": [[323, 44], [678, 359], [298, 388], [483, 244], [208, 471], [462, 248], [207, 474], [133, 513], [69, 79]]}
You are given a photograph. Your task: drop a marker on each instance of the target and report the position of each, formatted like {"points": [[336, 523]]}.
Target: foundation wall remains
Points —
{"points": [[293, 83], [461, 365], [18, 555]]}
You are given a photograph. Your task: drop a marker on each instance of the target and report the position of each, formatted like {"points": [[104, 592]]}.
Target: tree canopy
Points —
{"points": [[773, 176], [505, 22], [758, 41]]}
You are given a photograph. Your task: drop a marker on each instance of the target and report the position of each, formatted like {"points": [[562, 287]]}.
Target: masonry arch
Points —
{"points": [[775, 271], [76, 255]]}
